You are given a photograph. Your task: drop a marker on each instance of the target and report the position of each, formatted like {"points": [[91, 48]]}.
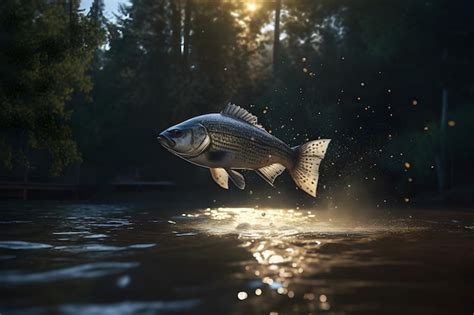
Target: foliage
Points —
{"points": [[43, 62]]}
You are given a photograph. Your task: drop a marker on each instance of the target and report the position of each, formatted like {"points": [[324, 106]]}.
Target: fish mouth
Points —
{"points": [[166, 140]]}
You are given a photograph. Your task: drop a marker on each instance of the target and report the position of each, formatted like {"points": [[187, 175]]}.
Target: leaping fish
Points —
{"points": [[232, 139]]}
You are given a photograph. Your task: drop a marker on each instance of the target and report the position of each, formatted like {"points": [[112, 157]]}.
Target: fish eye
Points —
{"points": [[176, 133]]}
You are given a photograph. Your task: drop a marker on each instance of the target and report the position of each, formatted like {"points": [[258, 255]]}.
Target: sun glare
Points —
{"points": [[252, 6]]}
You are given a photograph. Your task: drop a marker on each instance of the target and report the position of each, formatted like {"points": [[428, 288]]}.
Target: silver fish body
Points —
{"points": [[233, 140], [239, 145]]}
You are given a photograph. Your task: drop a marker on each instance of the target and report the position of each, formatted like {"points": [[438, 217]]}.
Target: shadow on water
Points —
{"points": [[104, 259]]}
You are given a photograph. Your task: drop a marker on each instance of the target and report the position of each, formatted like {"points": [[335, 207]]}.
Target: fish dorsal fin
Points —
{"points": [[220, 176], [270, 172], [239, 113]]}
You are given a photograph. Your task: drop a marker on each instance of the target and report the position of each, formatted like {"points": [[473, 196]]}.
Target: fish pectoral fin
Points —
{"points": [[220, 176], [236, 178], [269, 173]]}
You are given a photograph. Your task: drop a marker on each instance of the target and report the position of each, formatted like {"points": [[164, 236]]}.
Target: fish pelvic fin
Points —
{"points": [[269, 173], [305, 173], [220, 176], [236, 178]]}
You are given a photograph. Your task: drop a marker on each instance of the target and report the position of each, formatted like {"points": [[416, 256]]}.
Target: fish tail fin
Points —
{"points": [[305, 173]]}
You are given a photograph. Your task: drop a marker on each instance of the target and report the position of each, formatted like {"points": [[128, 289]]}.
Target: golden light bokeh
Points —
{"points": [[252, 6]]}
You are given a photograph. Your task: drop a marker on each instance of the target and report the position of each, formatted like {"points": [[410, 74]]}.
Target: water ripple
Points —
{"points": [[92, 270], [123, 308], [71, 233], [22, 245], [129, 308], [96, 236], [142, 245], [186, 234], [100, 248], [89, 248]]}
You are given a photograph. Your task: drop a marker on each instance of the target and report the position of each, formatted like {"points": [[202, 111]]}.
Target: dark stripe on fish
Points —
{"points": [[216, 156]]}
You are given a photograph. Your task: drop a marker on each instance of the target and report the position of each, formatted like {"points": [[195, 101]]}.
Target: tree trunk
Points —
{"points": [[176, 30], [26, 172], [441, 160], [72, 17], [451, 169], [276, 39], [187, 30]]}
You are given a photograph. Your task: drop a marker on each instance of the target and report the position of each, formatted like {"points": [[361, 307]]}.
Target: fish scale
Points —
{"points": [[249, 147]]}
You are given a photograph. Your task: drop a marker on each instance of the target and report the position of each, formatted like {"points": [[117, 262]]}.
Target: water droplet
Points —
{"points": [[309, 296], [242, 295], [323, 298]]}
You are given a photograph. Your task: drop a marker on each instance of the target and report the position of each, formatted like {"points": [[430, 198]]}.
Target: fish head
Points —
{"points": [[186, 139]]}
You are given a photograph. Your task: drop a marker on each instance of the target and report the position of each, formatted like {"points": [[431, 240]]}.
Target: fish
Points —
{"points": [[233, 140]]}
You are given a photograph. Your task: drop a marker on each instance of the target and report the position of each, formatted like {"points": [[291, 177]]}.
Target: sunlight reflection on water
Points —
{"points": [[255, 223], [291, 246]]}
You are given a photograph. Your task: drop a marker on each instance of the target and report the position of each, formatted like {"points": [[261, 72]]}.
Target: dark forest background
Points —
{"points": [[82, 98]]}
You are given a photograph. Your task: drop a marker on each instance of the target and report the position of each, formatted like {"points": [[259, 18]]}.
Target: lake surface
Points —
{"points": [[109, 259]]}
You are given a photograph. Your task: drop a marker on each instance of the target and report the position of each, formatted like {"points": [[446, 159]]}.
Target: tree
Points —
{"points": [[44, 59]]}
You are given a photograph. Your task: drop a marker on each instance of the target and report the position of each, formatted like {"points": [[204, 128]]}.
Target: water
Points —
{"points": [[106, 259]]}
